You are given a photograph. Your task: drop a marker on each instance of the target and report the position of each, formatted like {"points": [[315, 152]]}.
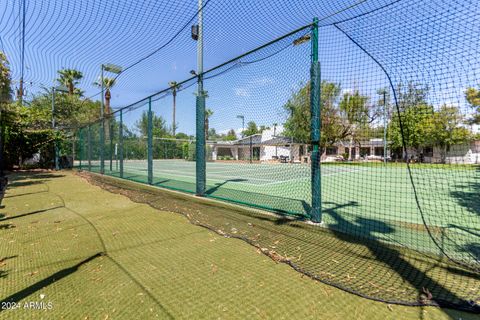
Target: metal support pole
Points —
{"points": [[200, 147], [243, 126], [385, 127], [102, 129], [150, 142], [174, 123], [315, 111], [89, 148], [251, 149], [55, 143], [120, 142], [200, 164]]}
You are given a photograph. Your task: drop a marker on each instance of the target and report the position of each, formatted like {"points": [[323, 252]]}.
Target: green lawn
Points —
{"points": [[97, 255]]}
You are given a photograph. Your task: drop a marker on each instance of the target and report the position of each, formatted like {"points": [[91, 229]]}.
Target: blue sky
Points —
{"points": [[432, 42]]}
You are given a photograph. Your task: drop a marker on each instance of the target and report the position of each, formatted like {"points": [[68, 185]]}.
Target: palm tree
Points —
{"points": [[208, 114], [174, 86], [108, 83], [70, 78]]}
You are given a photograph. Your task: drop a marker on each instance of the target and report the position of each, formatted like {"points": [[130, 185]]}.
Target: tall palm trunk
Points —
{"points": [[174, 124], [107, 114]]}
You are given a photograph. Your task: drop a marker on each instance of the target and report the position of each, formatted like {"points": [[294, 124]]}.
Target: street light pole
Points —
{"points": [[243, 123], [55, 144], [102, 129], [55, 148], [385, 127], [117, 70]]}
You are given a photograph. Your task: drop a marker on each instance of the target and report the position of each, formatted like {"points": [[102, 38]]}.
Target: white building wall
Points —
{"points": [[268, 152]]}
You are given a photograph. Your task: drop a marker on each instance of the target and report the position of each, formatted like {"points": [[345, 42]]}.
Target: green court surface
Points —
{"points": [[90, 254], [381, 196]]}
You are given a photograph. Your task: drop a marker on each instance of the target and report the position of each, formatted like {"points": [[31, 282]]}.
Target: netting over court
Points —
{"points": [[388, 98]]}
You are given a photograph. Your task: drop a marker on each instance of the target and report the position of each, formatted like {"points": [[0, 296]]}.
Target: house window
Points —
{"points": [[364, 151], [378, 151], [428, 151], [331, 151]]}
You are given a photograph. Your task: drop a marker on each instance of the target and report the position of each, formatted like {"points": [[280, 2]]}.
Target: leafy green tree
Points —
{"points": [[5, 80], [411, 95], [70, 111], [251, 129], [473, 98], [70, 78], [212, 134], [444, 129], [297, 125], [414, 131], [182, 135], [159, 126], [413, 112], [231, 135], [356, 116]]}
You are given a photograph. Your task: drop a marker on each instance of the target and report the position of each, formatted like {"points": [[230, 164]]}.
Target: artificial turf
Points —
{"points": [[93, 254]]}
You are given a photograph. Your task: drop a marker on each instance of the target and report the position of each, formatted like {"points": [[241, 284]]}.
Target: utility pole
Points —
{"points": [[22, 62], [174, 85]]}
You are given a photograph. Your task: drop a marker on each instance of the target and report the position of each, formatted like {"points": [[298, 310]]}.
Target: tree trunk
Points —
{"points": [[174, 107], [350, 149]]}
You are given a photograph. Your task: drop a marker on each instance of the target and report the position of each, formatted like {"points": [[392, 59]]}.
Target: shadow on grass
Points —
{"points": [[7, 226], [25, 194], [30, 213], [362, 232], [22, 294], [4, 273]]}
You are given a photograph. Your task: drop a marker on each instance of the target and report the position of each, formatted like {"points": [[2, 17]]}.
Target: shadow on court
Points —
{"points": [[219, 185], [362, 232], [468, 195]]}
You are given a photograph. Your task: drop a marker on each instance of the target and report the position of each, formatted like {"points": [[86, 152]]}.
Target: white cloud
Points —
{"points": [[262, 81], [242, 92]]}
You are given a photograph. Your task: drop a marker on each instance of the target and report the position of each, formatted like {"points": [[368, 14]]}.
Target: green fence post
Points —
{"points": [[89, 148], [120, 142], [150, 142], [200, 165], [315, 111], [111, 143], [102, 146]]}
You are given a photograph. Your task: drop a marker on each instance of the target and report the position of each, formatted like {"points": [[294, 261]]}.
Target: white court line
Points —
{"points": [[221, 176]]}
